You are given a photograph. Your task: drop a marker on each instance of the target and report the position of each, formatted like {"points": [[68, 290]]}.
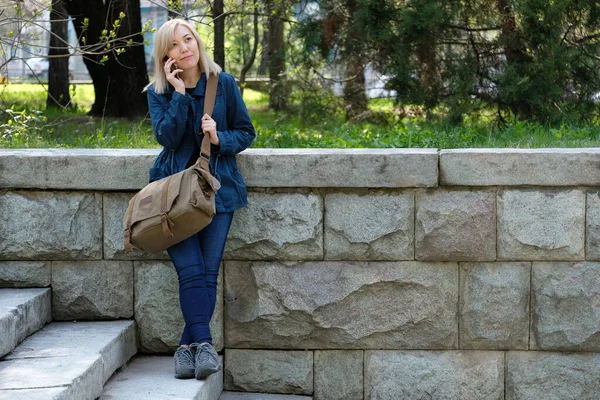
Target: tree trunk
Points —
{"points": [[262, 67], [514, 51], [355, 96], [426, 53], [252, 57], [58, 68], [127, 73], [219, 30], [118, 84], [276, 55]]}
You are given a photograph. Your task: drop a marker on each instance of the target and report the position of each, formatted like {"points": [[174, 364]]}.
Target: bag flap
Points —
{"points": [[211, 180], [148, 201]]}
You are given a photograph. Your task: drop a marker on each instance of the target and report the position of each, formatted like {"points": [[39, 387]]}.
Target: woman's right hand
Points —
{"points": [[172, 76]]}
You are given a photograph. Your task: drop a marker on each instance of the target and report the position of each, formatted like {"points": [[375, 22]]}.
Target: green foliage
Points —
{"points": [[314, 104], [20, 126], [319, 125], [536, 59]]}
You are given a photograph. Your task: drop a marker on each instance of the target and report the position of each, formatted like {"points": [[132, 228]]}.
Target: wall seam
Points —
{"points": [[314, 372], [323, 216], [585, 225], [102, 194], [51, 289], [505, 369], [364, 374], [414, 233], [530, 304], [439, 167], [458, 313], [497, 224]]}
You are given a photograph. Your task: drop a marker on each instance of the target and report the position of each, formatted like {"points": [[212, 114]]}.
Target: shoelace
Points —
{"points": [[205, 353], [184, 356]]}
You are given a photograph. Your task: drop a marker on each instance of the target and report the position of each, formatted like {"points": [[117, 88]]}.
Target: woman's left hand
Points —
{"points": [[209, 127]]}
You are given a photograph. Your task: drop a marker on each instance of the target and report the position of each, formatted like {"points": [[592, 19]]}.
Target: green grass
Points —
{"points": [[23, 126]]}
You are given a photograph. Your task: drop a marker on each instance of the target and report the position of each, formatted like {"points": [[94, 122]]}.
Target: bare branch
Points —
{"points": [[470, 29]]}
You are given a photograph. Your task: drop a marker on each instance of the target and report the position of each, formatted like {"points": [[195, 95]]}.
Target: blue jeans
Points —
{"points": [[197, 260]]}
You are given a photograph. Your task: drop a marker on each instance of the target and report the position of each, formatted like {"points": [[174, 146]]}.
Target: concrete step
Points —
{"points": [[151, 377], [22, 312], [67, 360], [261, 396]]}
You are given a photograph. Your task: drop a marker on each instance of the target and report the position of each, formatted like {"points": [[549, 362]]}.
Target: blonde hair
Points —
{"points": [[162, 44]]}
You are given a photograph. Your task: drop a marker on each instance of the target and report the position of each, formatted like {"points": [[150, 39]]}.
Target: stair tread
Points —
{"points": [[261, 396], [22, 312], [13, 297], [74, 359], [151, 377]]}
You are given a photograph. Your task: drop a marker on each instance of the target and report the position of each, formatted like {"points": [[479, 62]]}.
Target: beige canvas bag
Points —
{"points": [[169, 210]]}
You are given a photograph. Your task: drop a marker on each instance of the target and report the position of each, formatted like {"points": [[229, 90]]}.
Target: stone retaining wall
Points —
{"points": [[352, 274]]}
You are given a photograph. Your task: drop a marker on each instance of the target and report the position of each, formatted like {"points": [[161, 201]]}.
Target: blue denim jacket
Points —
{"points": [[176, 119]]}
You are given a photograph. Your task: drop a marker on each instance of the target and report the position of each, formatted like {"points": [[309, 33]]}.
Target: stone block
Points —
{"points": [[91, 290], [455, 225], [338, 375], [341, 305], [21, 274], [534, 375], [115, 206], [494, 305], [464, 375], [515, 167], [593, 226], [566, 306], [158, 312], [265, 371], [279, 226], [148, 378], [261, 396], [77, 357], [22, 312], [50, 225], [367, 168], [541, 224], [374, 226], [216, 323], [81, 169]]}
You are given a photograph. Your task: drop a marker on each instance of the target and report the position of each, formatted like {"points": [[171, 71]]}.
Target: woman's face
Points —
{"points": [[184, 48]]}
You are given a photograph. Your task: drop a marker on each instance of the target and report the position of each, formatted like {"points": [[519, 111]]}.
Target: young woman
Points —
{"points": [[176, 102]]}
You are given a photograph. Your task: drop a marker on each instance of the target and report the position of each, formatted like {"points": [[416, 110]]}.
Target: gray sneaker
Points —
{"points": [[184, 363], [207, 360]]}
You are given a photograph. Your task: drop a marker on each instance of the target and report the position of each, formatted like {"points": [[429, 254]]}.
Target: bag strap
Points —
{"points": [[209, 105], [128, 248], [165, 221]]}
